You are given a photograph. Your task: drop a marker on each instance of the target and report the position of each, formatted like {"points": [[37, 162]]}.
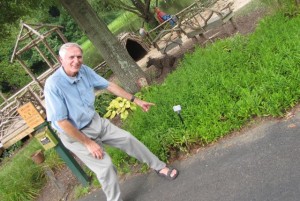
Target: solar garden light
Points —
{"points": [[177, 109]]}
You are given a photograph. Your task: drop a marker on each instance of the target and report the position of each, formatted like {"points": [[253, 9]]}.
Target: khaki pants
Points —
{"points": [[104, 132]]}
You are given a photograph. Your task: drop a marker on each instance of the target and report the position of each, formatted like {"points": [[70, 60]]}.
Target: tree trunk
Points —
{"points": [[117, 58]]}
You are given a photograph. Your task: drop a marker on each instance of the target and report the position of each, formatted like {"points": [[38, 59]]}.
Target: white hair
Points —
{"points": [[64, 47]]}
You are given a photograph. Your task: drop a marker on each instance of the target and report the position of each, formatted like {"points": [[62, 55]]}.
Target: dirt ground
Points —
{"points": [[61, 186]]}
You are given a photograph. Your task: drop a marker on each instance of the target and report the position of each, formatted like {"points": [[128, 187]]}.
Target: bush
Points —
{"points": [[102, 102]]}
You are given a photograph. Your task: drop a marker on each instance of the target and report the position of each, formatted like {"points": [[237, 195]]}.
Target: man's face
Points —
{"points": [[72, 61]]}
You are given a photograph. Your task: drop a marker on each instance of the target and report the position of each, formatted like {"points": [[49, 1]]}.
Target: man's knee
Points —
{"points": [[129, 138], [109, 170]]}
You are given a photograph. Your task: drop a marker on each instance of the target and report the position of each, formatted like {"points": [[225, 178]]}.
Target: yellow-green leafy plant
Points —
{"points": [[119, 106]]}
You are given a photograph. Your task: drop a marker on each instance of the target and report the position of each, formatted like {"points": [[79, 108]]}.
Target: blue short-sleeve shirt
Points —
{"points": [[72, 98]]}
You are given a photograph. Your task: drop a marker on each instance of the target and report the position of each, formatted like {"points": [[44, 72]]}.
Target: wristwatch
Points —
{"points": [[132, 98]]}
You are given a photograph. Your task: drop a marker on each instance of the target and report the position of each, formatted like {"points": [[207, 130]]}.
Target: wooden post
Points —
{"points": [[37, 98], [64, 39], [29, 73], [15, 48], [2, 96], [50, 50], [43, 56]]}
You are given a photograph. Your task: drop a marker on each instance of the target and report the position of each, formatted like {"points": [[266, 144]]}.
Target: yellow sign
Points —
{"points": [[31, 116]]}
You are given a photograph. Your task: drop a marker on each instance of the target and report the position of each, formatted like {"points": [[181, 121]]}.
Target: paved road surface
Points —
{"points": [[261, 164]]}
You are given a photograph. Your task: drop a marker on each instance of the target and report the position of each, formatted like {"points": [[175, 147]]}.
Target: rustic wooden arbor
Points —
{"points": [[31, 36], [34, 36]]}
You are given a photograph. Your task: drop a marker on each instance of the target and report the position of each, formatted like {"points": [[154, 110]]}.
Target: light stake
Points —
{"points": [[177, 109]]}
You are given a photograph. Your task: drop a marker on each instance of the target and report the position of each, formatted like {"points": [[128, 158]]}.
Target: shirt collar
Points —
{"points": [[71, 80]]}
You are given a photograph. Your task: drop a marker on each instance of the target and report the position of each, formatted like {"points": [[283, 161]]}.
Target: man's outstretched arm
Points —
{"points": [[118, 91]]}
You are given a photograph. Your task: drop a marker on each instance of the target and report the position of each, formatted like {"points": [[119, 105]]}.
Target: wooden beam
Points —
{"points": [[35, 41], [16, 46], [42, 54], [62, 36], [27, 35], [2, 96], [29, 73], [17, 136], [45, 25], [38, 27], [51, 51], [33, 31]]}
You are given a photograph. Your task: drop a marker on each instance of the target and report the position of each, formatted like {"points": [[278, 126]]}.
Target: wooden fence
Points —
{"points": [[193, 21]]}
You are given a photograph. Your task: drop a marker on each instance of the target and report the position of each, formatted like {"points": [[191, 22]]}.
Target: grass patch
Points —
{"points": [[124, 23], [21, 179]]}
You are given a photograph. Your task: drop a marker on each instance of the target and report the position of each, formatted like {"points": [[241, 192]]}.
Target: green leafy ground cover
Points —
{"points": [[223, 86]]}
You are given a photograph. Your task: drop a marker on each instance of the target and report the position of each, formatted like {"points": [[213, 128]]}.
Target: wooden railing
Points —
{"points": [[191, 22]]}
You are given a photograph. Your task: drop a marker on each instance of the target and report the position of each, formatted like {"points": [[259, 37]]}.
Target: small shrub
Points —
{"points": [[102, 102], [119, 106]]}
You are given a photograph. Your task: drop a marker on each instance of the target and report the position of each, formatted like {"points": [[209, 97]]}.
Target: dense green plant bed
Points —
{"points": [[223, 86]]}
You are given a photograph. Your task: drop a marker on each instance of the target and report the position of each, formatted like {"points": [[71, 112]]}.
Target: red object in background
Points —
{"points": [[159, 15]]}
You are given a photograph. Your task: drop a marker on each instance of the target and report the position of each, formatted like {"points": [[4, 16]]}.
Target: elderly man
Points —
{"points": [[69, 96]]}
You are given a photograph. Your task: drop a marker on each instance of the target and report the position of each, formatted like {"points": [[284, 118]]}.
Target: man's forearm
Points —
{"points": [[118, 91], [72, 131]]}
